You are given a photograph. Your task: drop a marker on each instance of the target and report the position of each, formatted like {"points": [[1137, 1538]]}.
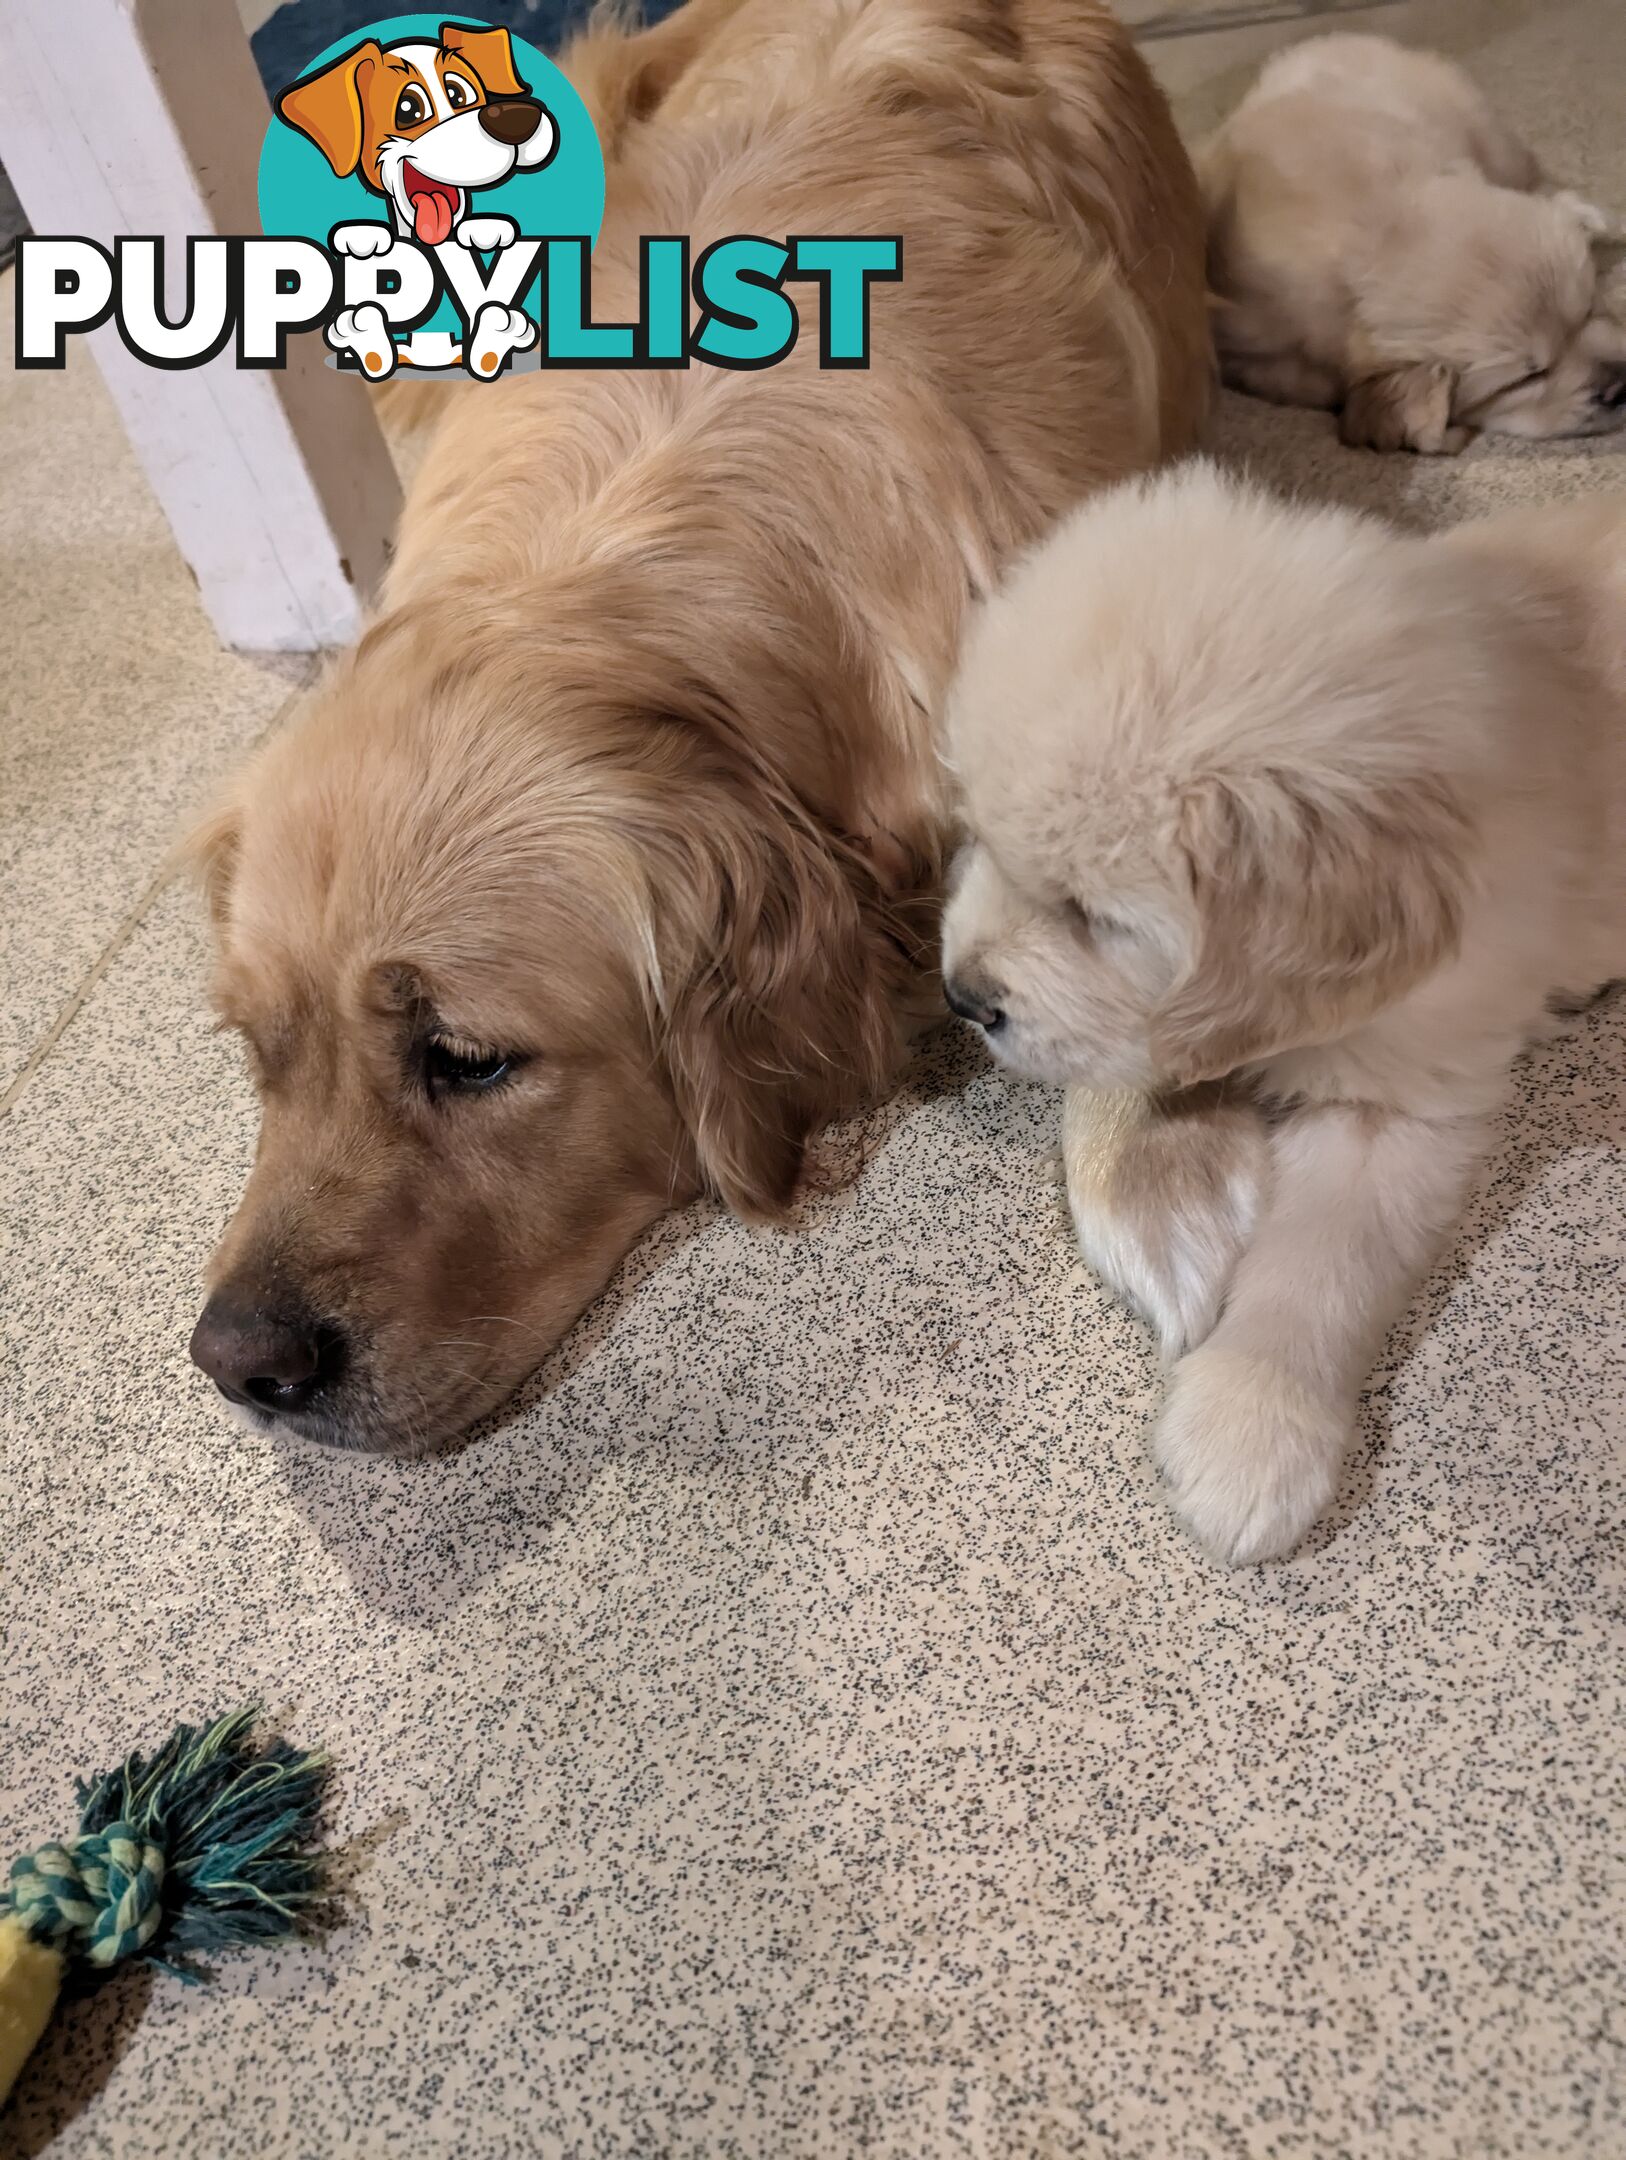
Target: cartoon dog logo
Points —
{"points": [[423, 125]]}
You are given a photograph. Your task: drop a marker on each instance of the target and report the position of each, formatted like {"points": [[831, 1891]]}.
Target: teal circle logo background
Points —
{"points": [[301, 194]]}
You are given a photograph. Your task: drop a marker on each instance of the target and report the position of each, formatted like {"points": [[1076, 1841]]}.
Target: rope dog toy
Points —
{"points": [[199, 1847]]}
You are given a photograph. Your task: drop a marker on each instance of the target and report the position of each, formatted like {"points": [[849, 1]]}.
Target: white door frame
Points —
{"points": [[146, 117]]}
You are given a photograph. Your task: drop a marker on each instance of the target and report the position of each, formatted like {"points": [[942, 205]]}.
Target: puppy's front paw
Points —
{"points": [[1405, 408], [1249, 1457], [1164, 1195], [1596, 223]]}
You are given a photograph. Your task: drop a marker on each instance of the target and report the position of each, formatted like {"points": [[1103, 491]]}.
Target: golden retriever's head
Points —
{"points": [[527, 941], [1484, 312], [1211, 753]]}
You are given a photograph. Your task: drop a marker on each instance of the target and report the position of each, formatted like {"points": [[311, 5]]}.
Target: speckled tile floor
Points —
{"points": [[798, 1730], [116, 704]]}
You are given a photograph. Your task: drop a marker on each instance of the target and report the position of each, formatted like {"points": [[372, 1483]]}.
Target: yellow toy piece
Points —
{"points": [[30, 1981]]}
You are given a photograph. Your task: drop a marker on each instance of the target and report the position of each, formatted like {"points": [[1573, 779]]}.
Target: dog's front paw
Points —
{"points": [[1164, 1196], [1250, 1458], [497, 332], [362, 240], [364, 332], [486, 233]]}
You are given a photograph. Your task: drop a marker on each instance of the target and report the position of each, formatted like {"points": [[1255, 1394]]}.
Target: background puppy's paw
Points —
{"points": [[1404, 408], [1164, 1196], [1250, 1459]]}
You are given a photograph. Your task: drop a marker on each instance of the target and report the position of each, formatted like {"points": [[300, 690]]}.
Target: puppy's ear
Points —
{"points": [[1404, 408], [327, 107], [491, 55], [1315, 910], [781, 1009]]}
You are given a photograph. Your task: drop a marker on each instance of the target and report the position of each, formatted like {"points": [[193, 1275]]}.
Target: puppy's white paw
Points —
{"points": [[1595, 223], [486, 233], [364, 332], [498, 331], [362, 239], [1249, 1457], [1164, 1196]]}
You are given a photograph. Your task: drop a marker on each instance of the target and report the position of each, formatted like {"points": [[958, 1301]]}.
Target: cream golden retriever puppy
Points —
{"points": [[1278, 806], [603, 870], [1378, 245]]}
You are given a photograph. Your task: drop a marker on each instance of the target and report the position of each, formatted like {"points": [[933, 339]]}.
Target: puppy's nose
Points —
{"points": [[1611, 392], [255, 1355], [975, 1005], [511, 120]]}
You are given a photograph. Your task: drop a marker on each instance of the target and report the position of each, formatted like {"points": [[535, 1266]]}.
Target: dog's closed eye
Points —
{"points": [[452, 1065]]}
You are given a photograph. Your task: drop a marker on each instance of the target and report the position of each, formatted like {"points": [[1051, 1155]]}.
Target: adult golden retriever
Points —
{"points": [[597, 874]]}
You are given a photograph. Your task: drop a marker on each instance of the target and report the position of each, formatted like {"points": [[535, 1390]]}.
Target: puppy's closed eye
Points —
{"points": [[1091, 922], [1527, 375]]}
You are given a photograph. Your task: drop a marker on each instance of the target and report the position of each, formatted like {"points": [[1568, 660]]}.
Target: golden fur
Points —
{"points": [[634, 780], [1321, 817], [1379, 244]]}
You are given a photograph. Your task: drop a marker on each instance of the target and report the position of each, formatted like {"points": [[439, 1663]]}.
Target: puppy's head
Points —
{"points": [[525, 946], [1485, 313], [1210, 773], [422, 124]]}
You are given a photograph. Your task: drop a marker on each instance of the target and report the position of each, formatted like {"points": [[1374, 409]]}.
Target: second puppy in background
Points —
{"points": [[1282, 799], [1379, 246]]}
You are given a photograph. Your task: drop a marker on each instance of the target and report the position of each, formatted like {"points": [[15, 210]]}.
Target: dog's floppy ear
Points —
{"points": [[327, 107], [210, 853], [1404, 408], [779, 975], [1314, 909], [491, 55]]}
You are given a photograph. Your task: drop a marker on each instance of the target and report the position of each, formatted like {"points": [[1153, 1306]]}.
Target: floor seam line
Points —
{"points": [[133, 917]]}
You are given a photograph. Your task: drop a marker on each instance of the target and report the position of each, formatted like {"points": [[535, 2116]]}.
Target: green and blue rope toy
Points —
{"points": [[203, 1846]]}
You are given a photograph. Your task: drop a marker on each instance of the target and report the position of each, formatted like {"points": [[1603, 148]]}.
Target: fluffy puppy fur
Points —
{"points": [[1278, 805], [599, 873], [1378, 245]]}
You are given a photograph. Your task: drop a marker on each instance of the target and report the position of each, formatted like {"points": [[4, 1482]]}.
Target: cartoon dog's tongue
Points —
{"points": [[432, 216], [434, 205]]}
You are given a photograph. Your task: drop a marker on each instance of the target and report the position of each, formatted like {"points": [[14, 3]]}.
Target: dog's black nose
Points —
{"points": [[270, 1360], [975, 1006], [1611, 392], [511, 120]]}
